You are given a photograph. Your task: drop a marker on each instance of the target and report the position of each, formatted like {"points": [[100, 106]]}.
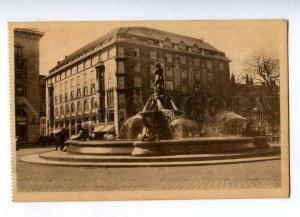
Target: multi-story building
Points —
{"points": [[27, 84], [109, 79]]}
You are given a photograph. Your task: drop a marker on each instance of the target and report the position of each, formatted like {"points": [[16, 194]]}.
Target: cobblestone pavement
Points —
{"points": [[264, 174]]}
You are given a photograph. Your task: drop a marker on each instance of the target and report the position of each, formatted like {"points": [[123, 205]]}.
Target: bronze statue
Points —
{"points": [[159, 79]]}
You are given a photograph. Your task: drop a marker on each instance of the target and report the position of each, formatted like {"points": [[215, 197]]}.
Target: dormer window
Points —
{"points": [[167, 42], [195, 48], [181, 45]]}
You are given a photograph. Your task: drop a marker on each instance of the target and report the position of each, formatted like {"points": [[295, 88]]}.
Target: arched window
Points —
{"points": [[85, 105], [94, 103], [79, 106], [73, 108], [67, 110]]}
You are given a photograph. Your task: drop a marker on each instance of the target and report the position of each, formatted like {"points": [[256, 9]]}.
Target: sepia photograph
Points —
{"points": [[138, 110]]}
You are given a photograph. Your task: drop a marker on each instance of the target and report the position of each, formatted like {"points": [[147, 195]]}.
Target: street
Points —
{"points": [[39, 178]]}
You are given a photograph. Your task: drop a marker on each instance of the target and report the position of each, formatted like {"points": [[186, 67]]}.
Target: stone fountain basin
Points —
{"points": [[100, 147], [198, 145]]}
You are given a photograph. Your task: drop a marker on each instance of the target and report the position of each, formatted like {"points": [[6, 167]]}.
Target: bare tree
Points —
{"points": [[263, 68]]}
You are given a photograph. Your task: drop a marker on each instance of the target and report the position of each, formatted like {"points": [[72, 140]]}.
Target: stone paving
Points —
{"points": [[30, 177]]}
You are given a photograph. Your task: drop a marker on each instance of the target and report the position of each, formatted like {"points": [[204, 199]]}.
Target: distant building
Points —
{"points": [[27, 84], [109, 79]]}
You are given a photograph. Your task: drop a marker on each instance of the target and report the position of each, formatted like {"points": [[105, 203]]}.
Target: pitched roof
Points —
{"points": [[142, 32]]}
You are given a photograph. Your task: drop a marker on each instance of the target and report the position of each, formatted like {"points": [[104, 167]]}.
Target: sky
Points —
{"points": [[238, 39]]}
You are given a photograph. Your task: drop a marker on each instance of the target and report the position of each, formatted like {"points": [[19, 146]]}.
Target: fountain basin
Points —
{"points": [[201, 145], [100, 147]]}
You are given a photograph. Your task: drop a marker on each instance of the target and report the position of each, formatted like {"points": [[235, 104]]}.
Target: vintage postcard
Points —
{"points": [[136, 110]]}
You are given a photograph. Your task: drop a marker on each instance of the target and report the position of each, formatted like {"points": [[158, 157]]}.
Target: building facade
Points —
{"points": [[108, 80], [27, 84]]}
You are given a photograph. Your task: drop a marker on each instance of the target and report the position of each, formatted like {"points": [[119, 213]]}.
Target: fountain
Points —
{"points": [[156, 136]]}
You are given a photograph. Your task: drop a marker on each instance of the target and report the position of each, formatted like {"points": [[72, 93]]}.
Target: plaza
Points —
{"points": [[247, 175]]}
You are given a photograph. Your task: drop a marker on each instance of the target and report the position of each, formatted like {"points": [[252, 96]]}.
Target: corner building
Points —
{"points": [[110, 79], [28, 104]]}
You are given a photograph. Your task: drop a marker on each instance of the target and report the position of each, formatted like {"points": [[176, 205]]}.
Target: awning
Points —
{"points": [[88, 124], [104, 128]]}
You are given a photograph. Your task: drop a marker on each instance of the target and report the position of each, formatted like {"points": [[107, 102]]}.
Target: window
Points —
{"points": [[120, 51], [136, 52], [197, 74], [181, 45], [110, 98], [79, 109], [72, 89], [78, 94], [61, 92], [66, 90], [67, 110], [137, 82], [196, 62], [168, 57], [93, 88], [183, 73], [167, 42], [121, 99], [121, 83], [94, 103], [110, 114], [221, 66], [85, 91], [137, 96], [195, 48], [153, 55], [121, 68], [56, 112], [169, 71], [182, 59], [86, 106], [209, 64], [73, 108], [210, 77], [169, 85], [137, 67], [62, 113]]}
